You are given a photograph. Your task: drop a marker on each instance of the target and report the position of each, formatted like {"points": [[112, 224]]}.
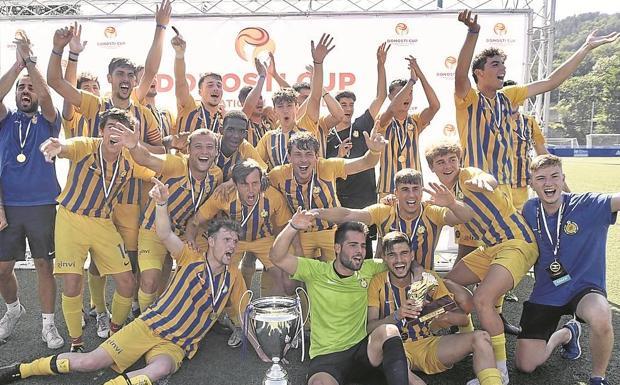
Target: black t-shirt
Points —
{"points": [[358, 190]]}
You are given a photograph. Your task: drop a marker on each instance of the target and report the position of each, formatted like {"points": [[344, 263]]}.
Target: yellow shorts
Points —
{"points": [[136, 340], [77, 235], [516, 255], [422, 355], [520, 195], [126, 218], [320, 241], [260, 248], [151, 251]]}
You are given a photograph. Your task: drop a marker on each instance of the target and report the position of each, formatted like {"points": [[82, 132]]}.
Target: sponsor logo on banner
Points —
{"points": [[501, 36], [449, 65], [111, 40], [449, 130], [254, 42], [402, 31]]}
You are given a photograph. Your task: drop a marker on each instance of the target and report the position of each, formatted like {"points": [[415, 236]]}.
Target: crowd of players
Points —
{"points": [[214, 190]]}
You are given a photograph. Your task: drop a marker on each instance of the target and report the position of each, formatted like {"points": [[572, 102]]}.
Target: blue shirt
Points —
{"points": [[33, 182], [583, 237]]}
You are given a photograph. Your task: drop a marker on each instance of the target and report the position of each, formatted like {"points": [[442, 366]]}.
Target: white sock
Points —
{"points": [[13, 307], [48, 319], [501, 366], [135, 305]]}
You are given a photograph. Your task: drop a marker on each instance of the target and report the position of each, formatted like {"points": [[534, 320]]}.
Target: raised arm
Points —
{"points": [[38, 83], [139, 152], [400, 97], [319, 52], [340, 215], [442, 196], [376, 104], [429, 112], [375, 142], [153, 59], [181, 88], [159, 193], [249, 105], [336, 113], [54, 71], [279, 255], [76, 46], [7, 81], [52, 148], [461, 73], [567, 68], [274, 73]]}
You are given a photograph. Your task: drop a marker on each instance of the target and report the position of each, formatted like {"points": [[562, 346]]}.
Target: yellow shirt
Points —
{"points": [[257, 130], [186, 195], [320, 192], [388, 297], [195, 116], [402, 151], [84, 192], [78, 125], [272, 147], [485, 130], [257, 222], [186, 310], [495, 218], [526, 135], [423, 231]]}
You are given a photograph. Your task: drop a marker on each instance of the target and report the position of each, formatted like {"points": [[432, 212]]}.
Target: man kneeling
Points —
{"points": [[388, 305], [201, 288]]}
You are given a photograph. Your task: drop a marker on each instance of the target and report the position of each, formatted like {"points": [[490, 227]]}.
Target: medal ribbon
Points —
{"points": [[496, 111], [244, 218], [222, 284], [399, 135], [303, 204], [195, 203], [396, 304], [22, 142], [281, 150], [556, 245], [415, 226], [204, 111], [108, 189]]}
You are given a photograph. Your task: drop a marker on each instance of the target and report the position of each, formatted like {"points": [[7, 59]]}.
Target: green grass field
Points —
{"points": [[600, 175]]}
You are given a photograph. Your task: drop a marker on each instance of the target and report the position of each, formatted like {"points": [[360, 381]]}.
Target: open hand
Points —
{"points": [[471, 23], [322, 49]]}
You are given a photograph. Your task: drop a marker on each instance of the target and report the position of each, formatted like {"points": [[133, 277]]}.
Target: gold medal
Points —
{"points": [[410, 127], [316, 190], [402, 159], [570, 228], [459, 195], [356, 134], [21, 158], [555, 266], [264, 214], [457, 234], [421, 230], [214, 316]]}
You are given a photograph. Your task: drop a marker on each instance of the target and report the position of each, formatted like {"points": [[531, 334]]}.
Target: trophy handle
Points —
{"points": [[300, 329], [251, 293]]}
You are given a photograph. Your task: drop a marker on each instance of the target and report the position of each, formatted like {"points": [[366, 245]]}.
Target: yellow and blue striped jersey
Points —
{"points": [[387, 297], [181, 204], [485, 130], [186, 310], [526, 134], [78, 125], [195, 116], [257, 130], [495, 218], [272, 147], [165, 120], [423, 237], [269, 214], [84, 192], [320, 192], [92, 106], [244, 152], [402, 150]]}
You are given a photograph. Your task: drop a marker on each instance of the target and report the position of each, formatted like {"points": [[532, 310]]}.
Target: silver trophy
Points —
{"points": [[275, 321]]}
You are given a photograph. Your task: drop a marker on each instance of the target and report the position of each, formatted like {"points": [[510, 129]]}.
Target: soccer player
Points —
{"points": [[251, 99], [190, 179], [421, 221], [273, 145], [194, 114], [202, 287], [261, 211], [340, 348], [100, 169], [29, 190], [310, 182], [402, 130], [388, 305], [509, 249], [571, 230]]}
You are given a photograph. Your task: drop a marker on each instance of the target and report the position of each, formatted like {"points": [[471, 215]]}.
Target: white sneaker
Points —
{"points": [[505, 379], [234, 341], [50, 335], [8, 322], [103, 325]]}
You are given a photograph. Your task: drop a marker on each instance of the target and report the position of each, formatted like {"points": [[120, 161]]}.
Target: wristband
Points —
{"points": [[414, 81], [161, 26], [71, 53], [294, 227], [162, 204], [472, 31], [56, 53], [73, 59], [325, 94], [316, 62]]}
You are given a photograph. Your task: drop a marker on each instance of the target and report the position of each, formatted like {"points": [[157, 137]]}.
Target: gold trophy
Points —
{"points": [[423, 289]]}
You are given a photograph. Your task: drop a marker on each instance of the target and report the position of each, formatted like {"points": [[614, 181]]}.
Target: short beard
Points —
{"points": [[34, 106], [348, 263]]}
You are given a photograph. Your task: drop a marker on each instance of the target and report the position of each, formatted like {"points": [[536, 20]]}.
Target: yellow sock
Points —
{"points": [[45, 366], [72, 310], [489, 376], [467, 328], [141, 379], [96, 286], [499, 305], [145, 299], [121, 306], [499, 347]]}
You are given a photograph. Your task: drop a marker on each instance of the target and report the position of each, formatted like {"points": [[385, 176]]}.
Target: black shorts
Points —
{"points": [[539, 322], [345, 366], [35, 223]]}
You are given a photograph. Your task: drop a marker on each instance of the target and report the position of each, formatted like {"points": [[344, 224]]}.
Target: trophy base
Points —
{"points": [[276, 375]]}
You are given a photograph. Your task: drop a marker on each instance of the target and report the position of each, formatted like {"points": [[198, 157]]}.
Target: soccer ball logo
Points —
{"points": [[254, 42], [401, 29]]}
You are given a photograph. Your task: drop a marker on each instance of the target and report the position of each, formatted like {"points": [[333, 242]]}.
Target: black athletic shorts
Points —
{"points": [[35, 223], [539, 322], [345, 366]]}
